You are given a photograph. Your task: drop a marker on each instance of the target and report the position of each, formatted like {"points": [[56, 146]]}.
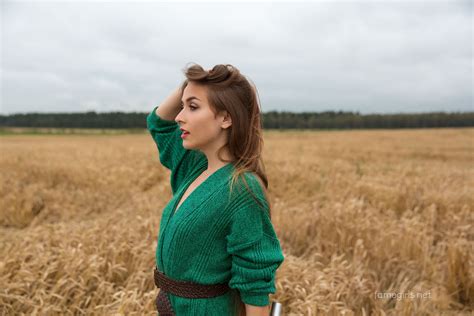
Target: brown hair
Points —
{"points": [[229, 90]]}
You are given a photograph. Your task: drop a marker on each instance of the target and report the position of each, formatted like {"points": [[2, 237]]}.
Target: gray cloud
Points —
{"points": [[371, 57]]}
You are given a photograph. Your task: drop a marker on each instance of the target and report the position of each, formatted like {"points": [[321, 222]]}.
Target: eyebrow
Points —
{"points": [[190, 98]]}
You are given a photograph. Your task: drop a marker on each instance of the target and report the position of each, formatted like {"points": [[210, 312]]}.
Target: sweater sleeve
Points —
{"points": [[172, 154], [255, 249]]}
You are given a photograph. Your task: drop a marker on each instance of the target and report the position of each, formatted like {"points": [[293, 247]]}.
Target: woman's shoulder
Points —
{"points": [[253, 180], [256, 182], [248, 197], [248, 189]]}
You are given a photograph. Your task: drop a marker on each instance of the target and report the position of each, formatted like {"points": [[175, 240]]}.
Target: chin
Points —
{"points": [[186, 146]]}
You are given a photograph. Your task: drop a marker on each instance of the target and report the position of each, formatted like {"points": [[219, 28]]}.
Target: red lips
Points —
{"points": [[185, 133]]}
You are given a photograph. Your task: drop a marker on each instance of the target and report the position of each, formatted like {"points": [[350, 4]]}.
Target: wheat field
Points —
{"points": [[371, 222]]}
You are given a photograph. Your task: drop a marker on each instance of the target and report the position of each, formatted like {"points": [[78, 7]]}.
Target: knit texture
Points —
{"points": [[215, 236]]}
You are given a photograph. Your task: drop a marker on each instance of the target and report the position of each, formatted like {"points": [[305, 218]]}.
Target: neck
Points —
{"points": [[214, 163]]}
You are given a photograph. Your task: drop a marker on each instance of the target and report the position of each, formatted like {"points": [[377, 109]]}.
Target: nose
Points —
{"points": [[178, 119]]}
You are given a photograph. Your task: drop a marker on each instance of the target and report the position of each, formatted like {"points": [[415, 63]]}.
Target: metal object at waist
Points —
{"points": [[275, 309]]}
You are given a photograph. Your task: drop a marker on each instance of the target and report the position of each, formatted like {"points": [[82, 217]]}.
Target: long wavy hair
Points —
{"points": [[229, 90]]}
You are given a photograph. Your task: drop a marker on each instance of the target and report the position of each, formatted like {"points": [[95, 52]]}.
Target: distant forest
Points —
{"points": [[271, 120]]}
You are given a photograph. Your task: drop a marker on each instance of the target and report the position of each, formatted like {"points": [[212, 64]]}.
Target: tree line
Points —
{"points": [[270, 120]]}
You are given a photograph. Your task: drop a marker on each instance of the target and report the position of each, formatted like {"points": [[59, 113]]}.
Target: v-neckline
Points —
{"points": [[175, 206]]}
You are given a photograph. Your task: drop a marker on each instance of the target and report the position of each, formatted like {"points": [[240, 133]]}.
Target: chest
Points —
{"points": [[200, 179]]}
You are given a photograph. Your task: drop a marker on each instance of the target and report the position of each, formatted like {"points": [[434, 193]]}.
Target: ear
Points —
{"points": [[226, 120]]}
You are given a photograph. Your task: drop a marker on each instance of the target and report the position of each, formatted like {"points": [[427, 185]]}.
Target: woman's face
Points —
{"points": [[206, 132]]}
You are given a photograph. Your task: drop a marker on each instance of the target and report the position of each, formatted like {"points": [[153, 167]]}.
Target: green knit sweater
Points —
{"points": [[215, 236]]}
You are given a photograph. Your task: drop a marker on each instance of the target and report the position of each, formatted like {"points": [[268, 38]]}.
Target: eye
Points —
{"points": [[191, 106]]}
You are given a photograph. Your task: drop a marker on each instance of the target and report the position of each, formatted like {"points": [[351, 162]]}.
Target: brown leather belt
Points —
{"points": [[184, 289]]}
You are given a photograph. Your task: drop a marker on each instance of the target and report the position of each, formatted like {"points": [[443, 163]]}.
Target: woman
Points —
{"points": [[217, 251]]}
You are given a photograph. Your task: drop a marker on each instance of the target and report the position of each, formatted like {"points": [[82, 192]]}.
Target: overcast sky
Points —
{"points": [[366, 56]]}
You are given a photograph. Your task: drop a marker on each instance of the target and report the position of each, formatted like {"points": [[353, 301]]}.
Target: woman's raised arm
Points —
{"points": [[166, 134], [171, 106]]}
